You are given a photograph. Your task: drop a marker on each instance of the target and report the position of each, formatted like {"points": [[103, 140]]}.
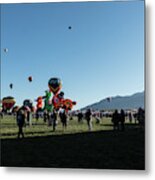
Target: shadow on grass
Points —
{"points": [[127, 125], [26, 133], [97, 150]]}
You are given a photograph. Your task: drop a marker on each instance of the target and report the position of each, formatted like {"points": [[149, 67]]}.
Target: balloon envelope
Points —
{"points": [[8, 102], [6, 50], [11, 86], [39, 102], [68, 104], [30, 78], [55, 85], [28, 103], [61, 95]]}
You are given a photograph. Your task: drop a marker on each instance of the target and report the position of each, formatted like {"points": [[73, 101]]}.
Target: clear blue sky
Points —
{"points": [[101, 56]]}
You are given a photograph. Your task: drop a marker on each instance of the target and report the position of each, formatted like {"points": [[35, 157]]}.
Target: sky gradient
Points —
{"points": [[101, 56]]}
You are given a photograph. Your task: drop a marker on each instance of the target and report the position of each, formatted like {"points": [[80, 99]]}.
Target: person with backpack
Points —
{"points": [[21, 116]]}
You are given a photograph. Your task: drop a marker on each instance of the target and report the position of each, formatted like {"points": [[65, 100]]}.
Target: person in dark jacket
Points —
{"points": [[54, 119], [21, 116], [115, 120], [88, 116], [63, 117], [122, 119], [80, 117]]}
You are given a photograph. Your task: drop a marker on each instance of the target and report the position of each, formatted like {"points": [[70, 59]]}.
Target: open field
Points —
{"points": [[73, 148]]}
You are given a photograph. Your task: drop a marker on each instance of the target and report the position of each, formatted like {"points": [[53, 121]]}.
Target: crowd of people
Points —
{"points": [[118, 118]]}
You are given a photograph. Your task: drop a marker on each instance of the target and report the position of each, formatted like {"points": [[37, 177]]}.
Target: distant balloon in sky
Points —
{"points": [[69, 27], [54, 85], [6, 50], [30, 78], [11, 86]]}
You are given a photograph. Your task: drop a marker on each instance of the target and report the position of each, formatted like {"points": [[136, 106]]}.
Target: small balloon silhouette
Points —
{"points": [[6, 50], [11, 86], [30, 78]]}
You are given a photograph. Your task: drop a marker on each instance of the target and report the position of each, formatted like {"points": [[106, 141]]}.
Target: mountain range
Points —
{"points": [[133, 101]]}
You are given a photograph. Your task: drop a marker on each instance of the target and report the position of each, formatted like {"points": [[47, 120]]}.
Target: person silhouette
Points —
{"points": [[20, 117], [122, 119], [115, 120], [88, 115], [54, 119], [63, 117]]}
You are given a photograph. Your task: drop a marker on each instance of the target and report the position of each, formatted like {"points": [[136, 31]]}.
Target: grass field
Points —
{"points": [[75, 147]]}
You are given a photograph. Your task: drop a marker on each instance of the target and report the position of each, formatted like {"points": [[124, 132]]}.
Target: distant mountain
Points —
{"points": [[119, 102]]}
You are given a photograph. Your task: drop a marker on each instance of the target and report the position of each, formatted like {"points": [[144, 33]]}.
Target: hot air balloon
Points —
{"points": [[8, 103], [54, 85], [61, 95], [28, 103], [57, 101], [68, 104], [70, 27], [6, 50], [11, 86], [48, 103], [39, 103], [30, 78]]}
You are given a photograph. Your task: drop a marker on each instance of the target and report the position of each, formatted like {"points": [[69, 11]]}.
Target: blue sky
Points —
{"points": [[101, 56]]}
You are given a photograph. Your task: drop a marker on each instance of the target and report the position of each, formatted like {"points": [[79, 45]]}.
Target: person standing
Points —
{"points": [[141, 117], [80, 117], [54, 119], [122, 119], [21, 116], [63, 117], [89, 119], [115, 120], [130, 117]]}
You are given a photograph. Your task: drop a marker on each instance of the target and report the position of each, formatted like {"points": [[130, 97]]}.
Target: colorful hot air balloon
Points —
{"points": [[39, 102], [61, 95], [57, 100], [8, 102], [28, 103], [54, 85], [48, 103], [68, 104]]}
